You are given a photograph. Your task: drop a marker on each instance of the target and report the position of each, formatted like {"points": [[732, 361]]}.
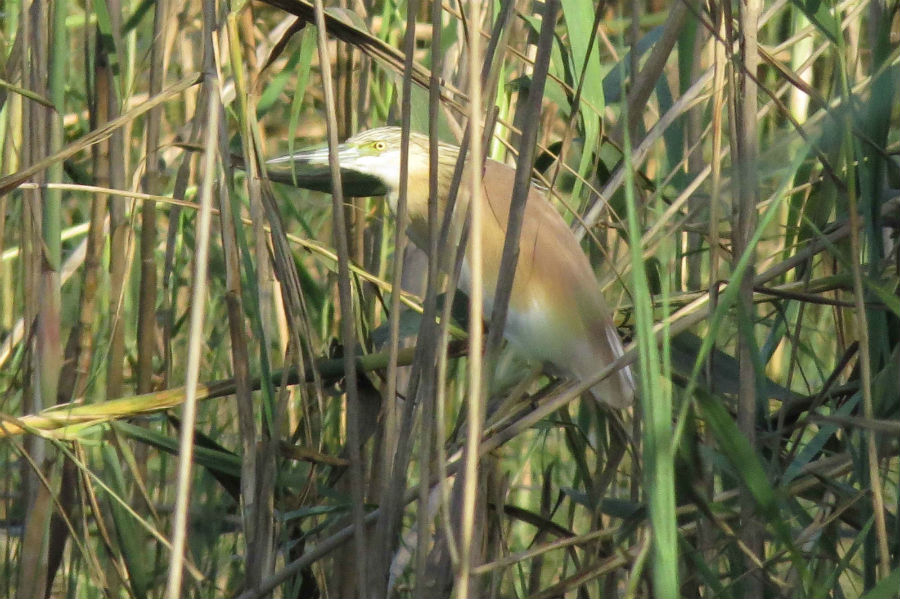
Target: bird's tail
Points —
{"points": [[617, 390]]}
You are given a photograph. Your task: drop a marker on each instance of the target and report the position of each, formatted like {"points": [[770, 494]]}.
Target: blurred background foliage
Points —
{"points": [[736, 168]]}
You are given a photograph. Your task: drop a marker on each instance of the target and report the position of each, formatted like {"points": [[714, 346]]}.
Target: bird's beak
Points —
{"points": [[309, 169]]}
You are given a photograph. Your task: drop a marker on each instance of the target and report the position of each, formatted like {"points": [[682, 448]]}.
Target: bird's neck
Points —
{"points": [[417, 194]]}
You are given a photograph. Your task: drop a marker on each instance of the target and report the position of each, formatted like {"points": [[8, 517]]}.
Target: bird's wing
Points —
{"points": [[554, 276]]}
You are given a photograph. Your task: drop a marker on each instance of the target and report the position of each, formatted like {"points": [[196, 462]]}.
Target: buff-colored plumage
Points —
{"points": [[557, 314]]}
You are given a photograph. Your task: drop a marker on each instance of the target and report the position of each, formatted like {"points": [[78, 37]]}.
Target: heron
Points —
{"points": [[557, 314]]}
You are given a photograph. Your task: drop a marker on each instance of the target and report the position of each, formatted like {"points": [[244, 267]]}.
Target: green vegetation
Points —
{"points": [[733, 169]]}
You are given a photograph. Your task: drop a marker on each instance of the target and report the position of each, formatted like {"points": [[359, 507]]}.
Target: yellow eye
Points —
{"points": [[378, 145]]}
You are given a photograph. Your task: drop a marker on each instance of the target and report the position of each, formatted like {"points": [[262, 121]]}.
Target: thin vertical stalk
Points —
{"points": [[865, 366], [47, 61], [119, 234], [451, 261], [346, 306], [432, 382], [258, 464], [393, 481], [694, 34], [522, 184], [146, 339], [53, 197], [118, 256], [638, 96], [391, 437], [645, 80], [79, 349], [720, 66], [853, 158], [656, 407], [745, 222], [575, 104], [104, 99], [474, 400], [196, 343]]}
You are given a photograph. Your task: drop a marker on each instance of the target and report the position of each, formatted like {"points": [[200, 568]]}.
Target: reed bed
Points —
{"points": [[213, 385]]}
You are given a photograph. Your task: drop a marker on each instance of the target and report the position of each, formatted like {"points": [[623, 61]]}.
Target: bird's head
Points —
{"points": [[369, 161]]}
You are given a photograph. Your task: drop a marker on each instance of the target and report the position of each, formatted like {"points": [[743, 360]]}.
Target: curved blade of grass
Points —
{"points": [[27, 93], [886, 587], [131, 538], [579, 17], [77, 413]]}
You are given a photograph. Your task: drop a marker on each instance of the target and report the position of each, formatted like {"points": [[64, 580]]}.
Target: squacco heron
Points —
{"points": [[557, 314]]}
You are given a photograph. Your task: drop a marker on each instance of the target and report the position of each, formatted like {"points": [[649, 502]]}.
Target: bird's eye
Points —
{"points": [[378, 145]]}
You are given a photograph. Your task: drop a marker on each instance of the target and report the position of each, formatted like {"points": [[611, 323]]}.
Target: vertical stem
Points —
{"points": [[47, 64], [74, 377], [431, 380], [393, 479], [522, 185], [390, 439], [104, 98], [645, 80], [476, 292], [865, 367], [257, 465], [655, 422], [119, 231], [745, 221], [146, 338], [857, 161], [346, 306], [118, 252], [719, 69], [196, 343], [53, 197], [694, 125]]}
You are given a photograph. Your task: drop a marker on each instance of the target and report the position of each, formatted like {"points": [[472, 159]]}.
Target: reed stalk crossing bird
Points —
{"points": [[557, 314]]}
